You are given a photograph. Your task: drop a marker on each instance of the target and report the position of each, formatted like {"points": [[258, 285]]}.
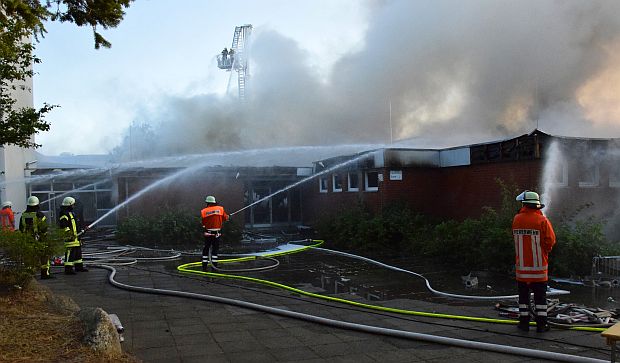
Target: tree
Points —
{"points": [[20, 22]]}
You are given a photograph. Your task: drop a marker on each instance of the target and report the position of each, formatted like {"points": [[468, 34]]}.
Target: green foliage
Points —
{"points": [[577, 244], [170, 228], [395, 230], [231, 232], [20, 20], [16, 59], [23, 254]]}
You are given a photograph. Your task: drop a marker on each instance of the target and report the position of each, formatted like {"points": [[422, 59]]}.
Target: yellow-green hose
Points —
{"points": [[187, 268]]}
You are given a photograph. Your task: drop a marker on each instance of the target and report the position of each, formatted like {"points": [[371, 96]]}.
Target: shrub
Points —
{"points": [[169, 228], [485, 243], [23, 254], [395, 230], [577, 244]]}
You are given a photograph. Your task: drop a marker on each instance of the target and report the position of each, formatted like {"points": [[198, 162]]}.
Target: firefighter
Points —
{"points": [[34, 222], [231, 56], [213, 216], [533, 238], [73, 245], [7, 217]]}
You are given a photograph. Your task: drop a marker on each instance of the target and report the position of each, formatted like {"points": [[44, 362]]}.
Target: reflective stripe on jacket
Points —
{"points": [[7, 219], [68, 224], [533, 238], [33, 222], [213, 217]]}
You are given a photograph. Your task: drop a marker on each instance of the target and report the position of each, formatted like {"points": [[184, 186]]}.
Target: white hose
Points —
{"points": [[504, 349], [428, 284]]}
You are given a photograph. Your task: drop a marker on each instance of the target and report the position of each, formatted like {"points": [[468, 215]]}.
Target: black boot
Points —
{"points": [[205, 267], [524, 324], [69, 270], [79, 267], [45, 275], [541, 325]]}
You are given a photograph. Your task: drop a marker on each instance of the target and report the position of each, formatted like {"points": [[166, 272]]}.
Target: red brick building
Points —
{"points": [[576, 177]]}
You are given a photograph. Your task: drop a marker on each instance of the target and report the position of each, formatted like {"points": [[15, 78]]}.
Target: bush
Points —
{"points": [[577, 244], [22, 255], [485, 243], [169, 228], [395, 230]]}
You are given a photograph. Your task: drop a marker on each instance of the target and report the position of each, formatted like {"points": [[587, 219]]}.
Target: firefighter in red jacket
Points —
{"points": [[533, 238], [7, 217], [213, 216]]}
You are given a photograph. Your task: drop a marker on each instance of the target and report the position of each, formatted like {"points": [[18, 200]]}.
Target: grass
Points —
{"points": [[31, 330]]}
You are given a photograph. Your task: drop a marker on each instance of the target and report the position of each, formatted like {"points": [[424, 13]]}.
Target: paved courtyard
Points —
{"points": [[161, 328]]}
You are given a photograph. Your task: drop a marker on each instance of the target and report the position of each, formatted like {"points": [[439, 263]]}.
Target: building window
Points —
{"points": [[337, 183], [614, 177], [557, 175], [323, 184], [371, 181], [589, 177], [353, 183]]}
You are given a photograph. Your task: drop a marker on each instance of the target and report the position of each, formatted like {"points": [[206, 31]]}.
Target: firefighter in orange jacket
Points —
{"points": [[533, 238], [7, 217], [213, 216]]}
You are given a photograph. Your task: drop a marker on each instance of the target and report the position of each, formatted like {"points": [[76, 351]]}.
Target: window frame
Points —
{"points": [[368, 188], [334, 189], [596, 180], [323, 186], [352, 189]]}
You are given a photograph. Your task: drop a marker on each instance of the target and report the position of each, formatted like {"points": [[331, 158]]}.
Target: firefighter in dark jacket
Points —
{"points": [[73, 246], [34, 222], [212, 217]]}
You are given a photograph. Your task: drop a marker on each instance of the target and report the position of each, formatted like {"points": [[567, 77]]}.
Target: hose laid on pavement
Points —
{"points": [[428, 284], [358, 327]]}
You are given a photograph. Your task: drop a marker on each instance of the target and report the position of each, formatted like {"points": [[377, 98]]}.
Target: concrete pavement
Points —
{"points": [[172, 329]]}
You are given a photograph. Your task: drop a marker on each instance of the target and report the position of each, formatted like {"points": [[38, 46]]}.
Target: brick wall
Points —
{"points": [[186, 193], [454, 192]]}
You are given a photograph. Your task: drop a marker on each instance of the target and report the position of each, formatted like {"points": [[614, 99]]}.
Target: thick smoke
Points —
{"points": [[450, 69]]}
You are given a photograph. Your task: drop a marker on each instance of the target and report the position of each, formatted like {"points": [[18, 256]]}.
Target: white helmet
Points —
{"points": [[32, 201], [7, 204], [529, 197], [68, 201], [210, 199]]}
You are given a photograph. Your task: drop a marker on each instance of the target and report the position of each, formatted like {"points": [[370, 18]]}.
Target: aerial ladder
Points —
{"points": [[236, 59]]}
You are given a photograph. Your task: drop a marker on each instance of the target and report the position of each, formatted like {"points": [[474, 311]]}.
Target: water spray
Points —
{"points": [[71, 191], [147, 189], [553, 160], [328, 170]]}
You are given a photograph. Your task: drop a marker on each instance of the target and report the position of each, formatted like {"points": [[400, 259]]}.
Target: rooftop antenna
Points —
{"points": [[391, 134]]}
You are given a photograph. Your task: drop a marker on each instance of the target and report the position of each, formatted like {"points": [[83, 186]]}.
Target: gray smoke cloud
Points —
{"points": [[450, 69]]}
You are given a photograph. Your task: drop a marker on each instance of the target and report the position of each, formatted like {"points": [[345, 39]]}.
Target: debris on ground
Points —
{"points": [[566, 313]]}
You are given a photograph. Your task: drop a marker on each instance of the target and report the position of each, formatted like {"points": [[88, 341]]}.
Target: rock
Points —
{"points": [[62, 304], [100, 332]]}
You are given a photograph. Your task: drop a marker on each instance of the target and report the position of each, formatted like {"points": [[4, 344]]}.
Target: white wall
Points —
{"points": [[13, 161]]}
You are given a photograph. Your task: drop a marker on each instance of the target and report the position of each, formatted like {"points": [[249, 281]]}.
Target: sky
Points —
{"points": [[432, 73], [163, 50]]}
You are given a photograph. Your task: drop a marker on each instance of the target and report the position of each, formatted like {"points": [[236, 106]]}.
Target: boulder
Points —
{"points": [[100, 332]]}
